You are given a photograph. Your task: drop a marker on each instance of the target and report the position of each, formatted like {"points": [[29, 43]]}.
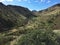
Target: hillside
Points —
{"points": [[20, 26], [53, 11], [13, 16], [51, 15]]}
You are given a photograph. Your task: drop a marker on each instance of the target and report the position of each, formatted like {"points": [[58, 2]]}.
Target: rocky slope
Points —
{"points": [[11, 16]]}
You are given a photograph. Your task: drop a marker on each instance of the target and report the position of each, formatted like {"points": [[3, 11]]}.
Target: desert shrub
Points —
{"points": [[38, 37], [5, 39]]}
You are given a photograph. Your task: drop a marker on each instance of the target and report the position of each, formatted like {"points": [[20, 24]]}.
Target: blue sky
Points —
{"points": [[32, 4]]}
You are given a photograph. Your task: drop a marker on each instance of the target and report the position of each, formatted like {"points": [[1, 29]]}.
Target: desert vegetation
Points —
{"points": [[20, 26]]}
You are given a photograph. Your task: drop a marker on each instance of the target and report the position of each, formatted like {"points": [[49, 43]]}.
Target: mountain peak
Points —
{"points": [[1, 4]]}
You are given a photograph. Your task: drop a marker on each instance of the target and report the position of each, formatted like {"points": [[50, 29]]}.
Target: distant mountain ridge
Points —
{"points": [[49, 8]]}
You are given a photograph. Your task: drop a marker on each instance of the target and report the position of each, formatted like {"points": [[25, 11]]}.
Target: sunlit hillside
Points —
{"points": [[20, 26]]}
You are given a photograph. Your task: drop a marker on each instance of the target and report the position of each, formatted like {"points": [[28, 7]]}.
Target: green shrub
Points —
{"points": [[5, 39], [38, 37]]}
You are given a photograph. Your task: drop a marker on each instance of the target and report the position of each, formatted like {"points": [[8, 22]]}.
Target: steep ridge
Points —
{"points": [[13, 16], [23, 11]]}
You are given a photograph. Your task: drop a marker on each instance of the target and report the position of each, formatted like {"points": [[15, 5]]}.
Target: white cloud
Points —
{"points": [[2, 0], [6, 0], [42, 0], [9, 0], [22, 0], [25, 0], [36, 1], [48, 1], [29, 1]]}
